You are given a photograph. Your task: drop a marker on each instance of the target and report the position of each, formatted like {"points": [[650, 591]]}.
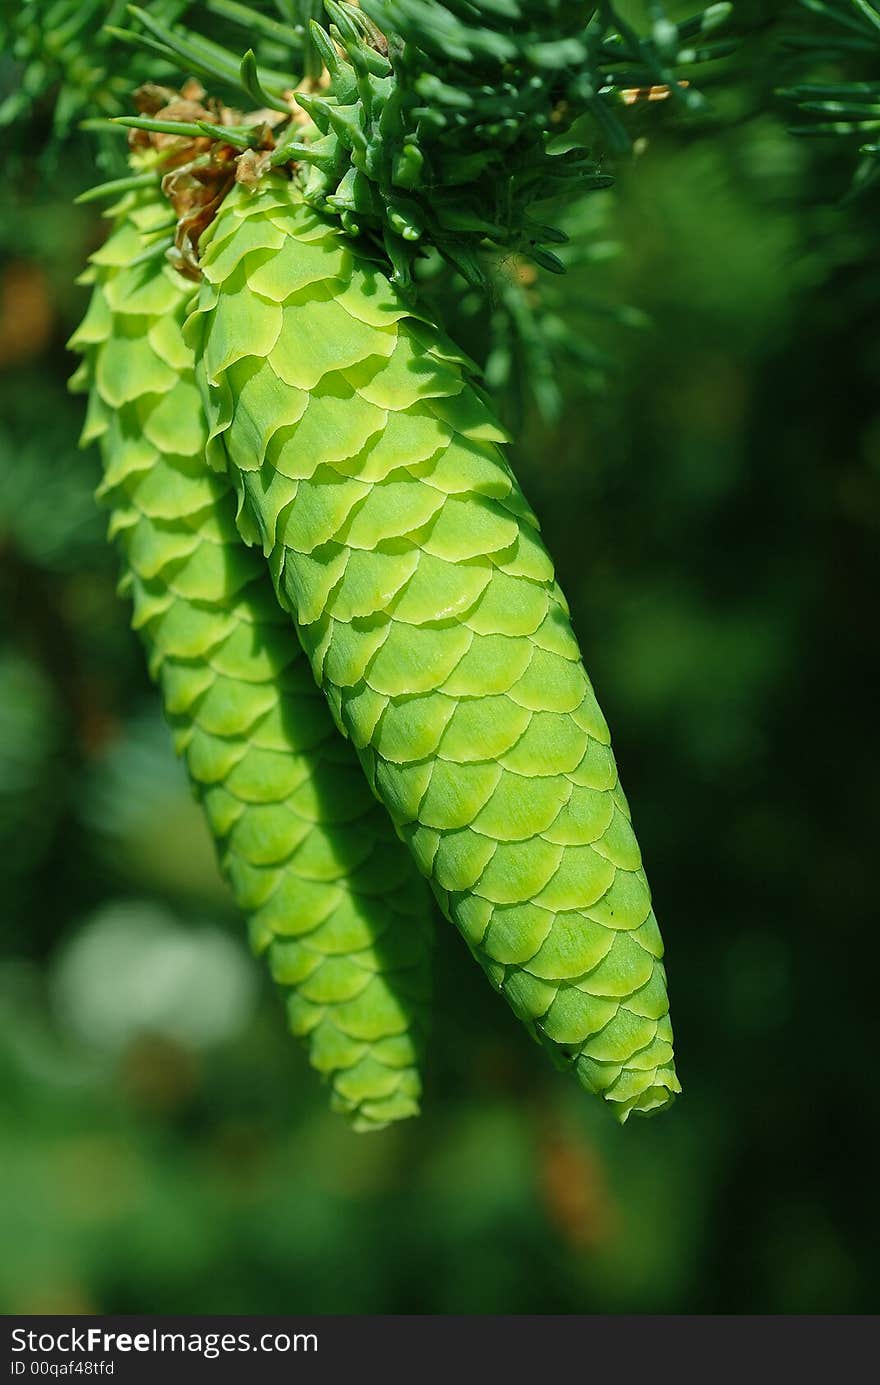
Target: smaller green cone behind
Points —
{"points": [[332, 898], [368, 467]]}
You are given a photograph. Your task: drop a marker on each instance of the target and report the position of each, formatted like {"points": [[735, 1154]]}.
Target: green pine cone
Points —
{"points": [[369, 469], [332, 898]]}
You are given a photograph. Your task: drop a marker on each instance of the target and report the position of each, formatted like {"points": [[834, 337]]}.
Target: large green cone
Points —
{"points": [[311, 857], [369, 469]]}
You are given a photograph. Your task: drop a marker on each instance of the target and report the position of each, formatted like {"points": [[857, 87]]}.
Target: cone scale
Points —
{"points": [[370, 472], [332, 898]]}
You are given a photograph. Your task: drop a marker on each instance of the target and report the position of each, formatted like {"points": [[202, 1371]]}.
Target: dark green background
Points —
{"points": [[715, 517]]}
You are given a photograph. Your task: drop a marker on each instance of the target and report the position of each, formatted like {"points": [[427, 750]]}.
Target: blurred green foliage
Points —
{"points": [[715, 517]]}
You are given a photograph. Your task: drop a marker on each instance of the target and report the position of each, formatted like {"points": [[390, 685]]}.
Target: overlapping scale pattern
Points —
{"points": [[332, 897], [369, 469]]}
